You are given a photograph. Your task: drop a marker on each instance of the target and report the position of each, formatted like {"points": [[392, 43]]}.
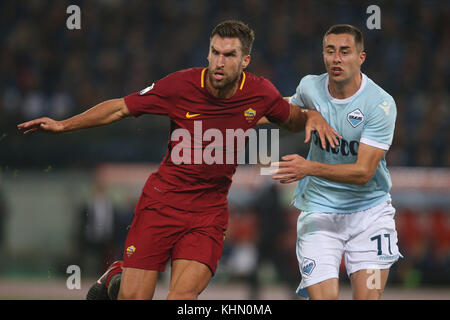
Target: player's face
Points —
{"points": [[226, 62], [342, 58]]}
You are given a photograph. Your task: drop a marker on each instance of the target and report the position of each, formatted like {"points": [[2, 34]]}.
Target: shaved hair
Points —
{"points": [[236, 29], [348, 29]]}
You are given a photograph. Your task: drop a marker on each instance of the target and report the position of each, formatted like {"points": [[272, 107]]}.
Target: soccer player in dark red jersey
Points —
{"points": [[182, 213]]}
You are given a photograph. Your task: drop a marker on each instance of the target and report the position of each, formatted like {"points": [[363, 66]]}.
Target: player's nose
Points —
{"points": [[337, 57], [221, 61]]}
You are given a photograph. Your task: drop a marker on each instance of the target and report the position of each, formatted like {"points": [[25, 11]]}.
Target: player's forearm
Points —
{"points": [[343, 173], [297, 119], [101, 114]]}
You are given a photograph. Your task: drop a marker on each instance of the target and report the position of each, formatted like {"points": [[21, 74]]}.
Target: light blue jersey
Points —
{"points": [[366, 117]]}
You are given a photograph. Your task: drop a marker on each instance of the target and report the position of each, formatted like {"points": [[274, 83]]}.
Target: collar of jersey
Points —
{"points": [[349, 99]]}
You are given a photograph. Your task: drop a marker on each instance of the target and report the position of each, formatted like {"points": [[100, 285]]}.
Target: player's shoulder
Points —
{"points": [[181, 81], [313, 79], [378, 103], [312, 84], [189, 74], [258, 84], [376, 93], [253, 80]]}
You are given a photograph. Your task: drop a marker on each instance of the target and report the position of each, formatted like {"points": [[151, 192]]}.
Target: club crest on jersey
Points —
{"points": [[355, 118], [130, 250], [250, 114], [308, 266], [144, 91]]}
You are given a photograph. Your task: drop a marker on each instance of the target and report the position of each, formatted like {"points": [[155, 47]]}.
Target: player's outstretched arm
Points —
{"points": [[310, 121], [101, 114]]}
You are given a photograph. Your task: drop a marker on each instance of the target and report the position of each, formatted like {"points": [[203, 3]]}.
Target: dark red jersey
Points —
{"points": [[194, 183]]}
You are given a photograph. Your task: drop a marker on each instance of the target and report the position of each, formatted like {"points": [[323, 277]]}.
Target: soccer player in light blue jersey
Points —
{"points": [[343, 191]]}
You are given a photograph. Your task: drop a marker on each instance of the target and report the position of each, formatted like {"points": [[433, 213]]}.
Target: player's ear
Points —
{"points": [[362, 57], [246, 61]]}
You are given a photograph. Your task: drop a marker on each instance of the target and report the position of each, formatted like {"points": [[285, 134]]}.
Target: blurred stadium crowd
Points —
{"points": [[123, 46]]}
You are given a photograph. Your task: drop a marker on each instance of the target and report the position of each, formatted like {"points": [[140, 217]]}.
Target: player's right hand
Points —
{"points": [[42, 124]]}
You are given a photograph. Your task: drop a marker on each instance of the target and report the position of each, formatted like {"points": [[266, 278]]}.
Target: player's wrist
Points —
{"points": [[305, 112], [313, 168], [63, 126]]}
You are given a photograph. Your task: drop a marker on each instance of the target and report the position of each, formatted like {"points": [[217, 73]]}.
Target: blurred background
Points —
{"points": [[68, 199]]}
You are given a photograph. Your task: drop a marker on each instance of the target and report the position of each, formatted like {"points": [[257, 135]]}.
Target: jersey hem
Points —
{"points": [[324, 209]]}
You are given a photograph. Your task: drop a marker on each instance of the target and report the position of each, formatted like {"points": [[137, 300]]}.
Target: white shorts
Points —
{"points": [[367, 239]]}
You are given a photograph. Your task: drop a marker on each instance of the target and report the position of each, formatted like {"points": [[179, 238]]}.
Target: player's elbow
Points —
{"points": [[364, 176], [363, 180], [122, 111]]}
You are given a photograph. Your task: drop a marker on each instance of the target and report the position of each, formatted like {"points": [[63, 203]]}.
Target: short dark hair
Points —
{"points": [[349, 29], [236, 29]]}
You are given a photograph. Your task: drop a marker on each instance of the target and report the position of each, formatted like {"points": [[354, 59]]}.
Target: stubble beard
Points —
{"points": [[224, 85]]}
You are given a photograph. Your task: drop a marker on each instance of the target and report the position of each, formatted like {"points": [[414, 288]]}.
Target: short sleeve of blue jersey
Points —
{"points": [[298, 98], [379, 127]]}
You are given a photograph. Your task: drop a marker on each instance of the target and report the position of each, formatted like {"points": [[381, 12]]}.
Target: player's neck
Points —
{"points": [[345, 89]]}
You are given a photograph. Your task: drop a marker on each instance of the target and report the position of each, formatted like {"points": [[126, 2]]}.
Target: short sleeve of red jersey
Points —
{"points": [[279, 108], [155, 99]]}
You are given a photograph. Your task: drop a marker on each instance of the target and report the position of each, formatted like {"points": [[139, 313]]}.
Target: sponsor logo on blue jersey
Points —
{"points": [[345, 147]]}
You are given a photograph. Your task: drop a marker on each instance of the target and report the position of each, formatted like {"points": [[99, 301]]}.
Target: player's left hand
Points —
{"points": [[317, 123], [41, 124], [293, 168]]}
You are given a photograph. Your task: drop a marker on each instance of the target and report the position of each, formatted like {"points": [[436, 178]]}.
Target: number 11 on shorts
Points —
{"points": [[379, 248]]}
